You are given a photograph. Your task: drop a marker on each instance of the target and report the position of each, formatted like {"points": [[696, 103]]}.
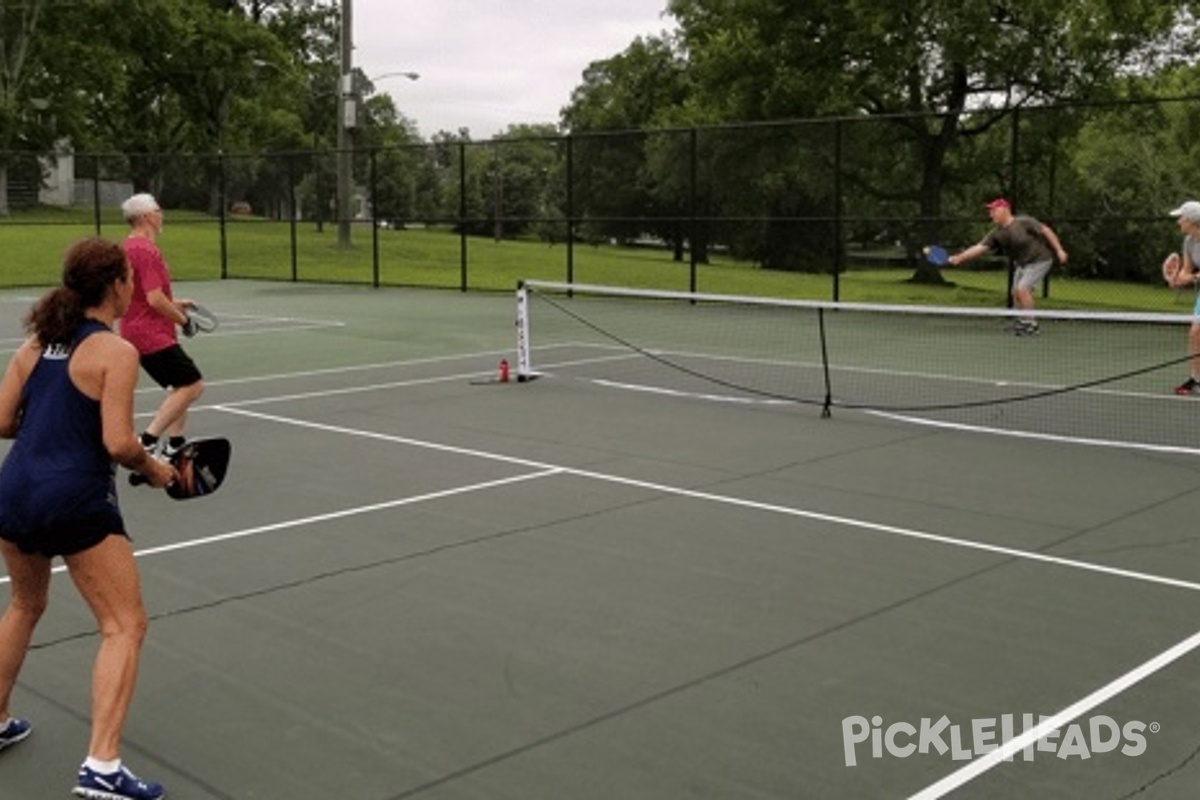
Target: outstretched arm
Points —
{"points": [[974, 251]]}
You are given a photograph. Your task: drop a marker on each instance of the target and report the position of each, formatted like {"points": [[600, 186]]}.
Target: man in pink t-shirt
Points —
{"points": [[150, 325]]}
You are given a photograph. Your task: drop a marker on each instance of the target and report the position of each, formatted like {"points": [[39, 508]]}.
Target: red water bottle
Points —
{"points": [[504, 370]]}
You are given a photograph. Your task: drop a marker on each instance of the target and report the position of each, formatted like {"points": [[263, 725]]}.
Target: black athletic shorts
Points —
{"points": [[171, 368], [81, 535]]}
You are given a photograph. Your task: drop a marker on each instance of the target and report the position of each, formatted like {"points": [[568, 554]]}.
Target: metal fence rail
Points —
{"points": [[827, 197]]}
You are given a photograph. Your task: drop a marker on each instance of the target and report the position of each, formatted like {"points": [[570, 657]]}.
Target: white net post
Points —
{"points": [[524, 363]]}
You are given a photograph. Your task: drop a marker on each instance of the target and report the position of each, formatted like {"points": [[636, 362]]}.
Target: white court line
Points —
{"points": [[956, 779], [354, 389], [297, 325], [1077, 709], [348, 512], [331, 392], [1113, 444], [278, 325], [937, 790], [309, 373], [380, 365], [695, 494], [716, 398], [1043, 437], [895, 373]]}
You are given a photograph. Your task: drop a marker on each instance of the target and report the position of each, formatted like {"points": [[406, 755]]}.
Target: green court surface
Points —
{"points": [[419, 582]]}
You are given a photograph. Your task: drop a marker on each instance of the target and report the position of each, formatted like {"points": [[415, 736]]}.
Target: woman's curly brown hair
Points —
{"points": [[90, 267]]}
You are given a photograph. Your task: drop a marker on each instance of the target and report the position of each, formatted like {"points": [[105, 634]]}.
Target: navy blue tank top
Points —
{"points": [[58, 468]]}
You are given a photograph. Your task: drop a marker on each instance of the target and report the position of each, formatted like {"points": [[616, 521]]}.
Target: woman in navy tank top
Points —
{"points": [[66, 399]]}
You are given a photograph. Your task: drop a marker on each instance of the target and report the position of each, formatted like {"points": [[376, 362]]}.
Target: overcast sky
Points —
{"points": [[487, 63]]}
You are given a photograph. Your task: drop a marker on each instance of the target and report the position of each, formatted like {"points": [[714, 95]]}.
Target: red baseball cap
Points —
{"points": [[999, 202]]}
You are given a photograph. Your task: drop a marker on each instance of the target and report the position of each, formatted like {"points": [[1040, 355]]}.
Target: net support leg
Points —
{"points": [[827, 405]]}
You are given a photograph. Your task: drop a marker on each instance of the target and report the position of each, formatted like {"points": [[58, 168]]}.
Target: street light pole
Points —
{"points": [[345, 107]]}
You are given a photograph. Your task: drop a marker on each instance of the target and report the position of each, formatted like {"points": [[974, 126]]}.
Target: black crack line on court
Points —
{"points": [[736, 478], [357, 568], [551, 738], [711, 676], [1161, 544], [566, 732], [601, 718], [1163, 776], [686, 686], [131, 745], [1154, 545]]}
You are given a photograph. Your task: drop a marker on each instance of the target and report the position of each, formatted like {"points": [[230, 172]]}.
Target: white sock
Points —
{"points": [[103, 767]]}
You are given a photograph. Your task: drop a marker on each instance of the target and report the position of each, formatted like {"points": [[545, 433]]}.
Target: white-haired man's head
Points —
{"points": [[139, 206]]}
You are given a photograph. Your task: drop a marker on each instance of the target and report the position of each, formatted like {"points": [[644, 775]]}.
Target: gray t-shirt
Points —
{"points": [[1021, 240], [1191, 248]]}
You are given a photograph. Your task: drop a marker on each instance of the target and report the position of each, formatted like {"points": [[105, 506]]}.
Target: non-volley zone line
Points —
{"points": [[961, 776], [696, 494], [349, 369], [326, 517]]}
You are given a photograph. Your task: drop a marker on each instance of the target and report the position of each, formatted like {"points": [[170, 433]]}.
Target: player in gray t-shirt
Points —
{"points": [[1033, 248]]}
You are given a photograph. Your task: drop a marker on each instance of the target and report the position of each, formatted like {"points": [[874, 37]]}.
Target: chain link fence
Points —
{"points": [[823, 208]]}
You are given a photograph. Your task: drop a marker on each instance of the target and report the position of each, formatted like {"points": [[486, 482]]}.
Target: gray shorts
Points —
{"points": [[1028, 276]]}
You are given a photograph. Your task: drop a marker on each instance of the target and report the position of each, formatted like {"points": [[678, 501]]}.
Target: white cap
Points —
{"points": [[1189, 211], [139, 205]]}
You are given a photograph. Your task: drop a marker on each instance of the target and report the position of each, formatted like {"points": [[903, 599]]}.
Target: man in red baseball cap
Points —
{"points": [[1033, 248]]}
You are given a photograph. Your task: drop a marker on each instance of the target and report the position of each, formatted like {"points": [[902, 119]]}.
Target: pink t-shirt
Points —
{"points": [[144, 327]]}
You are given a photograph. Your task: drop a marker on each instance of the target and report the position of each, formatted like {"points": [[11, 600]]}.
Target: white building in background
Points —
{"points": [[58, 182], [62, 189]]}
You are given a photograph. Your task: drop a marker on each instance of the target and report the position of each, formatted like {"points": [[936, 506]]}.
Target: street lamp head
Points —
{"points": [[412, 76]]}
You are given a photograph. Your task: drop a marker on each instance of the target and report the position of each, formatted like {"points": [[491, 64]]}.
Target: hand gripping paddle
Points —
{"points": [[199, 320], [201, 464]]}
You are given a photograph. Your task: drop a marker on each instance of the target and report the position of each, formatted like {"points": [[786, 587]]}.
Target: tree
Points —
{"points": [[388, 163], [935, 71], [610, 116], [20, 76]]}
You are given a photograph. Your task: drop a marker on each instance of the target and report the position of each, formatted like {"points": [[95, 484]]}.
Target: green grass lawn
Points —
{"points": [[32, 244]]}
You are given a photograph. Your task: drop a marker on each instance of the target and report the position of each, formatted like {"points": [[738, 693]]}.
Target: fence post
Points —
{"points": [[373, 179], [839, 259], [320, 204], [1013, 189], [96, 192], [222, 203], [570, 208], [1052, 197], [693, 223], [462, 215], [291, 210]]}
